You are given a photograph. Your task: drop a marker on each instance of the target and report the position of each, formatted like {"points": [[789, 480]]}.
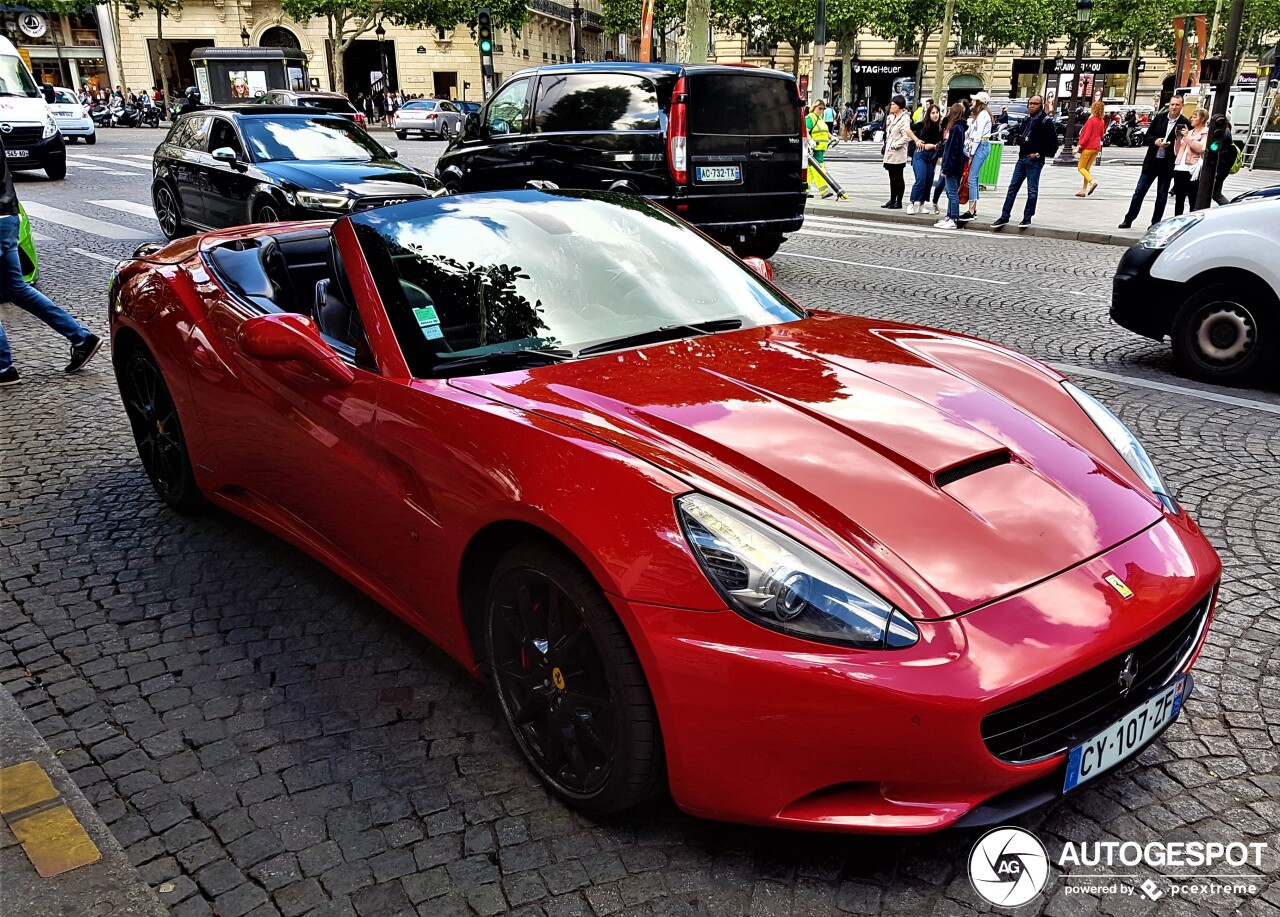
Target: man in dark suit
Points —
{"points": [[1157, 167]]}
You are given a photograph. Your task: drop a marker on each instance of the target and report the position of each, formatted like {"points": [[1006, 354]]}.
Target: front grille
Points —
{"points": [[1052, 721], [22, 135], [368, 203]]}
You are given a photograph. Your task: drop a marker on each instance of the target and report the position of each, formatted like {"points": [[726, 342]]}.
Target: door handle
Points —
{"points": [[761, 154]]}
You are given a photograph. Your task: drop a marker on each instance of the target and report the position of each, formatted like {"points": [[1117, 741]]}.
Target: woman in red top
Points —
{"points": [[1089, 145]]}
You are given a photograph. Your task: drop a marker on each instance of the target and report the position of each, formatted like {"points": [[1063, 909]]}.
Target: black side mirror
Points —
{"points": [[471, 126], [49, 96]]}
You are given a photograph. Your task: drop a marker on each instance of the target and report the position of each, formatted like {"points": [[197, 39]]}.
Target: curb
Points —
{"points": [[111, 886], [1040, 232]]}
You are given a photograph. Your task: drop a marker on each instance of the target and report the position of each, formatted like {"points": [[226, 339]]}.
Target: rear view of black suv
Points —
{"points": [[719, 146]]}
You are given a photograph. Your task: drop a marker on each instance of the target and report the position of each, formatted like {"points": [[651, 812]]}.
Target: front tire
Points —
{"points": [[56, 169], [1227, 333], [153, 417], [267, 211], [570, 687], [168, 213], [762, 246], [91, 139]]}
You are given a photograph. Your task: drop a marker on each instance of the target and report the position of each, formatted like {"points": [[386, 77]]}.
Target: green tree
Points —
{"points": [[773, 21], [846, 20], [1129, 26], [347, 20], [162, 8], [911, 23], [1031, 24], [1259, 29], [623, 16]]}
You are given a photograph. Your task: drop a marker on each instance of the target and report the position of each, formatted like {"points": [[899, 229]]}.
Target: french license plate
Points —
{"points": [[1121, 739], [17, 154], [719, 173]]}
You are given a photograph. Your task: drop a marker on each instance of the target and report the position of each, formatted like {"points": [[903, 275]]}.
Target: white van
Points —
{"points": [[30, 135]]}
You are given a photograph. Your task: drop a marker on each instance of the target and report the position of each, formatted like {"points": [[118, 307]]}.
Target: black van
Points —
{"points": [[719, 146]]}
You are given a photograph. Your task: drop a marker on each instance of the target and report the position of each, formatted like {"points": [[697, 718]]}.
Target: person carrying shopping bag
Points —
{"points": [[978, 147], [819, 140]]}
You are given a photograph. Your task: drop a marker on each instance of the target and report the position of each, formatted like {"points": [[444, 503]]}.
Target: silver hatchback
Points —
{"points": [[435, 117]]}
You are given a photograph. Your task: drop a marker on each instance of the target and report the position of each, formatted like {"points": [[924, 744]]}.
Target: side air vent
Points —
{"points": [[951, 475]]}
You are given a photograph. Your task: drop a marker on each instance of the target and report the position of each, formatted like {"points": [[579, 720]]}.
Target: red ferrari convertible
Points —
{"points": [[805, 569]]}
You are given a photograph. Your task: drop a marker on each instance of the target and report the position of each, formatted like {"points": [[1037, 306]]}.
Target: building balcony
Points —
{"points": [[590, 20]]}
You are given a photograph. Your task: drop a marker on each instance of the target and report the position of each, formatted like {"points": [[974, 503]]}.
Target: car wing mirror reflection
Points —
{"points": [[288, 336]]}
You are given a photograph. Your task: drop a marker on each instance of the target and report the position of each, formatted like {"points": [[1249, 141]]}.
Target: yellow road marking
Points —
{"points": [[54, 841], [24, 785]]}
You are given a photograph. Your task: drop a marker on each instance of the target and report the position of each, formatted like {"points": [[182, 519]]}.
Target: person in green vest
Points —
{"points": [[819, 140]]}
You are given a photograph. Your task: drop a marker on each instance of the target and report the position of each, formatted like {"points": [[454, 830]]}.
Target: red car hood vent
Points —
{"points": [[958, 492]]}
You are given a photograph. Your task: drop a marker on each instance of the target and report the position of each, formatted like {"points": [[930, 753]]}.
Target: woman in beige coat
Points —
{"points": [[897, 135]]}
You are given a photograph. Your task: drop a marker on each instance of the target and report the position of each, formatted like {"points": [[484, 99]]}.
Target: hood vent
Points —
{"points": [[958, 472]]}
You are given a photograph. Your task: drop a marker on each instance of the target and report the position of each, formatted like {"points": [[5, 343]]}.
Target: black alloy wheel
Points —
{"points": [[570, 686], [153, 418], [266, 212], [1226, 333], [167, 213]]}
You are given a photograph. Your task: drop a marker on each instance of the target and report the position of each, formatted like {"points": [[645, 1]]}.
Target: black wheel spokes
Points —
{"points": [[556, 688], [155, 424]]}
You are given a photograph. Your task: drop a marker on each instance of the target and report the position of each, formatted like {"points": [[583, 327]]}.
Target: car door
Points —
{"points": [[230, 186], [293, 445], [499, 158], [452, 117], [184, 153]]}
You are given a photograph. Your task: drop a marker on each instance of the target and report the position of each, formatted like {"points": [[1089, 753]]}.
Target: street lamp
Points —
{"points": [[1084, 12], [381, 33], [244, 37]]}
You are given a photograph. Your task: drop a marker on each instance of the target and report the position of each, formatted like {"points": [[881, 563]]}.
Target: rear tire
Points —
{"points": [[1227, 333], [153, 418], [762, 246], [402, 135], [571, 689], [91, 139]]}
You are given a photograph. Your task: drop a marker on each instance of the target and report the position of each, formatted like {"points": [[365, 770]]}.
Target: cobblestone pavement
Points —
{"points": [[264, 740]]}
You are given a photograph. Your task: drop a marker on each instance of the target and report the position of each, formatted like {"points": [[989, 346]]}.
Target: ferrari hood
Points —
{"points": [[956, 491]]}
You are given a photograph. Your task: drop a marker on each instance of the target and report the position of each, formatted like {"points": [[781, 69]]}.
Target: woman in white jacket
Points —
{"points": [[978, 146], [897, 136]]}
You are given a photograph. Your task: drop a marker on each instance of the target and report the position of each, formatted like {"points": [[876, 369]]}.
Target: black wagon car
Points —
{"points": [[258, 164], [719, 146]]}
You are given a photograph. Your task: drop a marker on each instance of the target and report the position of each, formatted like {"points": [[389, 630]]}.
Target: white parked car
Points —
{"points": [[1210, 281], [71, 116], [438, 117]]}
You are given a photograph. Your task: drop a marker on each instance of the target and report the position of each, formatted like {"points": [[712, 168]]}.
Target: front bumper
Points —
{"points": [[1140, 302], [39, 154], [766, 729]]}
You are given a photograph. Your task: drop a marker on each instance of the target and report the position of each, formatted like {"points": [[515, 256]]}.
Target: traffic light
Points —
{"points": [[1217, 135], [484, 38], [833, 78], [1212, 70]]}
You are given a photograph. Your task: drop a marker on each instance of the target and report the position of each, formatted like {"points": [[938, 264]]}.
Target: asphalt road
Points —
{"points": [[264, 740]]}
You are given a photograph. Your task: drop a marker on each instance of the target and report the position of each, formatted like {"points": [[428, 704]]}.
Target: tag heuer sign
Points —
{"points": [[32, 25]]}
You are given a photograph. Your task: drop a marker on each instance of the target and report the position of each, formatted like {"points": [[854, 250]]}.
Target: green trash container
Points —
{"points": [[989, 177]]}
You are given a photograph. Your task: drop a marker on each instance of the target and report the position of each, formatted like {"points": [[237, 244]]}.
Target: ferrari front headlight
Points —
{"points": [[1122, 438], [773, 580]]}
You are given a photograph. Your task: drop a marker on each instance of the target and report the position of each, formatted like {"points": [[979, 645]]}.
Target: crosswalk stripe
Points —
{"points": [[142, 210], [87, 224], [77, 160], [146, 159], [105, 171]]}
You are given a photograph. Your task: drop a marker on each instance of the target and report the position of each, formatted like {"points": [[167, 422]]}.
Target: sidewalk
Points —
{"points": [[111, 887], [1059, 213]]}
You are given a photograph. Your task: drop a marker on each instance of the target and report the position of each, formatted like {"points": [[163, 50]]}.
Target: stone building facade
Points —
{"points": [[880, 68], [440, 62]]}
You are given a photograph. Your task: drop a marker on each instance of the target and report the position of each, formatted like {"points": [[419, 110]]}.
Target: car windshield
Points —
{"points": [[565, 275], [302, 138], [64, 97], [420, 106], [14, 78]]}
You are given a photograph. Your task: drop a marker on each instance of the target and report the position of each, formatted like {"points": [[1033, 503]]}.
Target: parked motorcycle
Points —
{"points": [[148, 116], [101, 116], [126, 116], [1115, 135]]}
